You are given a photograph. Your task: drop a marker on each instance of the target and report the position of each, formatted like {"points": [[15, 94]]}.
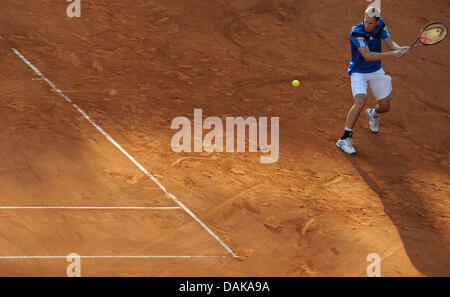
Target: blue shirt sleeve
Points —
{"points": [[358, 41], [385, 33]]}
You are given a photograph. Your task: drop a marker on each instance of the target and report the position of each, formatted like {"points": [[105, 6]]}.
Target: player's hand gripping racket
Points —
{"points": [[432, 33]]}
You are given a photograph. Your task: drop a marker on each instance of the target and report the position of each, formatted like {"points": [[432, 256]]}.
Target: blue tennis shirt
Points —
{"points": [[360, 38]]}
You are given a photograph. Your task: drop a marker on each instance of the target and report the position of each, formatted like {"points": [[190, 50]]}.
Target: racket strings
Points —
{"points": [[433, 34]]}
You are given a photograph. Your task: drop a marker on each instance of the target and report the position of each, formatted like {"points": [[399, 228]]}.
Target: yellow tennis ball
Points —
{"points": [[295, 83]]}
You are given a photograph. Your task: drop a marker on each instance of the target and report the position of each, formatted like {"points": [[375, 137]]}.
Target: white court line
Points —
{"points": [[90, 207], [109, 257], [125, 153]]}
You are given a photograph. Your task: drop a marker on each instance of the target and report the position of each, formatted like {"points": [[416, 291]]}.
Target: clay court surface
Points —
{"points": [[133, 66]]}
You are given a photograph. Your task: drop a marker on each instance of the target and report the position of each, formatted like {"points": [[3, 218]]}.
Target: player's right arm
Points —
{"points": [[375, 56], [363, 47]]}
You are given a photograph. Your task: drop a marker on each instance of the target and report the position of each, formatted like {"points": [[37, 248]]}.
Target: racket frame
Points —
{"points": [[415, 44]]}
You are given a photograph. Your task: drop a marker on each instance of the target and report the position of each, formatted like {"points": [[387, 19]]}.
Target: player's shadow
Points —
{"points": [[425, 244]]}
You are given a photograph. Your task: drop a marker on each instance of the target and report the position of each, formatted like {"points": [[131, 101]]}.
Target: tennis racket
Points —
{"points": [[432, 33]]}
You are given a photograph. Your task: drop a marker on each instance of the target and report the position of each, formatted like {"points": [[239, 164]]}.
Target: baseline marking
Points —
{"points": [[124, 152]]}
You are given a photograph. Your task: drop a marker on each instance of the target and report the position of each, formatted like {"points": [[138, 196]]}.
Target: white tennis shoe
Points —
{"points": [[373, 122], [346, 145]]}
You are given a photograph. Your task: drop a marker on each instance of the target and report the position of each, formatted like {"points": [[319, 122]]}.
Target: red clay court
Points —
{"points": [[86, 164]]}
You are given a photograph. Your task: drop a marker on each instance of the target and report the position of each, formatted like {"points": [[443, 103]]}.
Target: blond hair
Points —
{"points": [[373, 12]]}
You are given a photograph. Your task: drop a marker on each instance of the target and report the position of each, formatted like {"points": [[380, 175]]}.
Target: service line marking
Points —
{"points": [[131, 158], [91, 207], [110, 257]]}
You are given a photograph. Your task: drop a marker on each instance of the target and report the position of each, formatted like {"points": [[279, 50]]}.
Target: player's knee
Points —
{"points": [[360, 101], [360, 105]]}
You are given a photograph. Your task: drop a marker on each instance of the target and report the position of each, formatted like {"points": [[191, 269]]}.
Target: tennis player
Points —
{"points": [[365, 69]]}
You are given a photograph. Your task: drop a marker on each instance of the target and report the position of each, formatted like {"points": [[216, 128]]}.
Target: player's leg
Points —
{"points": [[355, 110], [383, 105], [381, 87], [359, 90]]}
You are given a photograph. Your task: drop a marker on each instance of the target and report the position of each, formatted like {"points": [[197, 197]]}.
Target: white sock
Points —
{"points": [[348, 129], [373, 113]]}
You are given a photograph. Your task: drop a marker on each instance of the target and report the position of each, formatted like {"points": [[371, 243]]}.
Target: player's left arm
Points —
{"points": [[393, 46]]}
